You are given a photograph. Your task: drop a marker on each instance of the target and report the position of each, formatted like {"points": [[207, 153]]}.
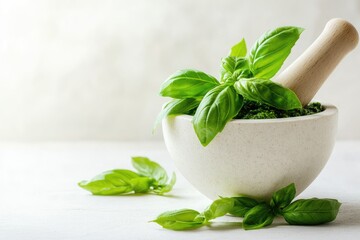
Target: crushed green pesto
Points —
{"points": [[256, 110]]}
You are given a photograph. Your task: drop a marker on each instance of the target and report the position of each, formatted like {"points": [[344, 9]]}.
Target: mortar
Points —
{"points": [[257, 157]]}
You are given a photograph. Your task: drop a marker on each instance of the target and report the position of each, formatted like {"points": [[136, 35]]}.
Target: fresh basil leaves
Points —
{"points": [[219, 105], [151, 177], [270, 93], [256, 214], [188, 84], [258, 217], [311, 211], [270, 51], [183, 219], [242, 75]]}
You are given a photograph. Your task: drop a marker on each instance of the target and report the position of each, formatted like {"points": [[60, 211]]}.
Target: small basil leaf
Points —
{"points": [[218, 107], [188, 84], [242, 205], [183, 219], [283, 197], [268, 92], [270, 51], [311, 211], [218, 208], [239, 49], [177, 107], [111, 182], [150, 169], [258, 217], [166, 188], [234, 67], [141, 184]]}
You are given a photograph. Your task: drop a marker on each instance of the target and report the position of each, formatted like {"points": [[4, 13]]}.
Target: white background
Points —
{"points": [[91, 70]]}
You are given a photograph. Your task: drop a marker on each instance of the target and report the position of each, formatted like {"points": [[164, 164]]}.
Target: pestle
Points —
{"points": [[309, 71]]}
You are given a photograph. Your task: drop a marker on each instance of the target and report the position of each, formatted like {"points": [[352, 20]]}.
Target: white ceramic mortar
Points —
{"points": [[253, 157]]}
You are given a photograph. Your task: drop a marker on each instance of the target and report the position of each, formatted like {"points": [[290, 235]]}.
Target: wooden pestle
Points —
{"points": [[307, 73]]}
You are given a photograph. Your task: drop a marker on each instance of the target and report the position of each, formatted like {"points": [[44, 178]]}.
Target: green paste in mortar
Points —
{"points": [[255, 110]]}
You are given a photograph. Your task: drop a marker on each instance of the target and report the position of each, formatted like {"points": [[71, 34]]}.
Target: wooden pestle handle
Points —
{"points": [[307, 73]]}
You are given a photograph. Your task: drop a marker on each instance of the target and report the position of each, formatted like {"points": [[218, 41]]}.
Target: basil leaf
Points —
{"points": [[177, 107], [283, 197], [218, 107], [311, 211], [150, 169], [258, 217], [270, 51], [268, 92], [183, 219], [239, 49], [166, 188], [141, 184], [111, 182], [242, 205], [218, 208], [188, 84], [234, 68]]}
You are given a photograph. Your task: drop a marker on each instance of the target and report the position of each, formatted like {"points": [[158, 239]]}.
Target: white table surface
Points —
{"points": [[40, 199]]}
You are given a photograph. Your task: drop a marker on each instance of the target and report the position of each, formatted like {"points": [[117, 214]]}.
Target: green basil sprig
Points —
{"points": [[215, 102], [256, 214], [150, 177]]}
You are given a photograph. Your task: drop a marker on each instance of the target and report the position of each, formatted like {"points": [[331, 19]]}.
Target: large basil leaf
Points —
{"points": [[188, 84], [177, 107], [218, 107], [283, 197], [268, 92], [270, 51], [183, 219], [311, 211], [258, 217], [150, 169], [239, 49], [233, 68], [118, 181]]}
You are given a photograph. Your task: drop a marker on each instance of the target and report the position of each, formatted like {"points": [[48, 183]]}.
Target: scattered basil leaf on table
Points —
{"points": [[218, 208], [258, 217], [165, 188], [151, 177], [311, 211], [148, 168], [183, 219], [117, 181], [257, 214], [242, 205], [283, 197], [250, 73]]}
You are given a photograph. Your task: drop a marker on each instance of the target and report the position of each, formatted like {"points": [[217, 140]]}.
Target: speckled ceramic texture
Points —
{"points": [[253, 157]]}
